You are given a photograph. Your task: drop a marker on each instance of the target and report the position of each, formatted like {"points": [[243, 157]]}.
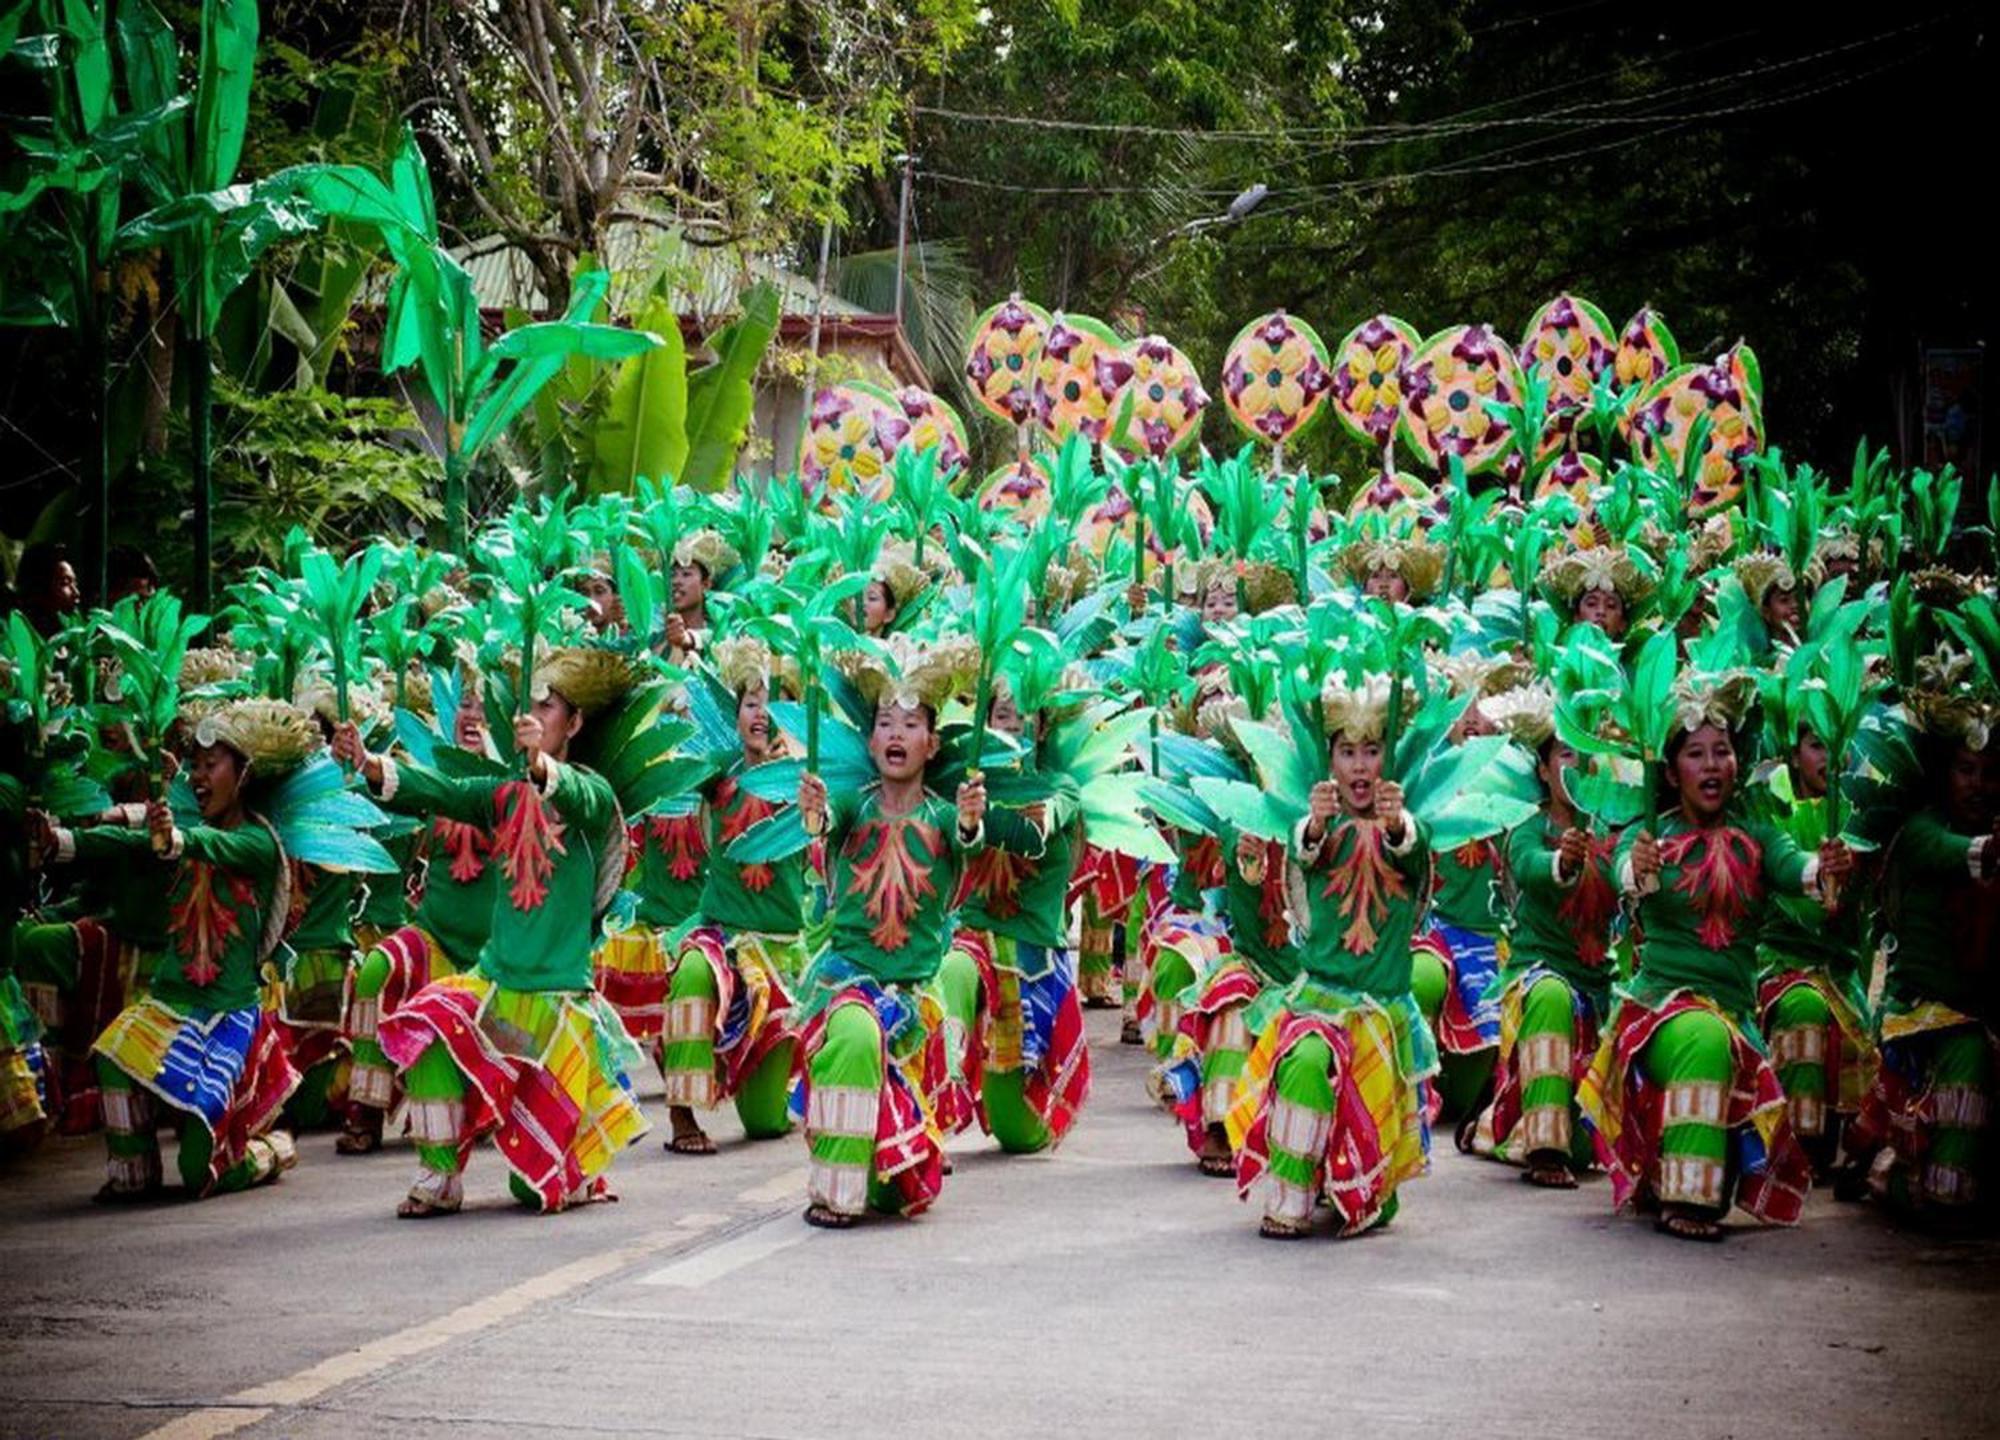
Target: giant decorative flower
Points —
{"points": [[1006, 348], [1370, 380], [932, 423], [1167, 398], [1569, 344], [1275, 376], [1081, 380], [1452, 384], [1646, 350], [849, 443]]}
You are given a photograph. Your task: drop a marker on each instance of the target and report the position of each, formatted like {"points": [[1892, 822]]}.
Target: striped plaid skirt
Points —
{"points": [[547, 1075]]}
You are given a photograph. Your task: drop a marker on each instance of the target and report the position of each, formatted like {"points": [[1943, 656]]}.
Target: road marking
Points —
{"points": [[247, 1407], [760, 1242], [779, 1187]]}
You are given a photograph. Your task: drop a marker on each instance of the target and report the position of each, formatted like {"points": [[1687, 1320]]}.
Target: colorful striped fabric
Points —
{"points": [[1624, 1110], [1379, 1136], [1497, 1124], [634, 967], [1470, 1019], [546, 1075], [909, 1146]]}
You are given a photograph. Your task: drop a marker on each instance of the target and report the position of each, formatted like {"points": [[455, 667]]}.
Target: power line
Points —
{"points": [[1395, 132]]}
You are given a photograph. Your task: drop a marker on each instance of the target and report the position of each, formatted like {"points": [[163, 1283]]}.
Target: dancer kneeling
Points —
{"points": [[521, 1046]]}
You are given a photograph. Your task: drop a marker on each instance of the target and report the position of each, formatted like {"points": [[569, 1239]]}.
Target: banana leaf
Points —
{"points": [[643, 429], [720, 398]]}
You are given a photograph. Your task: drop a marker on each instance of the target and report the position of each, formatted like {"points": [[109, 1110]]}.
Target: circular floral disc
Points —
{"points": [[1368, 377], [1646, 350], [1164, 400], [1081, 382], [1396, 494], [1275, 377], [933, 422], [1449, 388], [1577, 476], [1663, 423], [1000, 362], [850, 440], [1569, 344], [1020, 489]]}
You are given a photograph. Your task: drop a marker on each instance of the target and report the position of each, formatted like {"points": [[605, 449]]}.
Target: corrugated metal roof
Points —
{"points": [[705, 280]]}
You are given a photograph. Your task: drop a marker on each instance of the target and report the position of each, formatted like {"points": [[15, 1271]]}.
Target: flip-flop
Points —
{"points": [[824, 1219]]}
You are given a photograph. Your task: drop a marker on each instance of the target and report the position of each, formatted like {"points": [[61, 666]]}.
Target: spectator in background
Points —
{"points": [[45, 586], [131, 571]]}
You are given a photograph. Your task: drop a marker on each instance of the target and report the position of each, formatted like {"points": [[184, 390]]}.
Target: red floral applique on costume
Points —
{"points": [[1271, 898], [204, 919], [1719, 885], [1365, 882], [1476, 855], [303, 879], [997, 875], [526, 839], [893, 880], [1204, 862], [738, 810], [1588, 906], [681, 840], [465, 846]]}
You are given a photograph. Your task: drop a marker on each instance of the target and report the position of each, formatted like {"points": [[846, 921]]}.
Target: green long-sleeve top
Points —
{"points": [[224, 883], [385, 901], [1199, 871], [1465, 882], [892, 880], [1561, 925], [670, 859], [1363, 897], [323, 900], [764, 897], [1023, 893], [1259, 930], [1697, 929], [1798, 931], [559, 849], [460, 880], [1940, 914]]}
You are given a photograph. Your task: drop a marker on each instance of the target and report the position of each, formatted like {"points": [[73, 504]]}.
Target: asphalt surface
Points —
{"points": [[1105, 1289]]}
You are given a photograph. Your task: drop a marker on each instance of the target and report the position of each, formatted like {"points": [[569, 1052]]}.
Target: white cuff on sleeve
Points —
{"points": [[390, 779], [65, 845], [551, 769], [1975, 856], [1556, 872], [1307, 854], [1402, 846]]}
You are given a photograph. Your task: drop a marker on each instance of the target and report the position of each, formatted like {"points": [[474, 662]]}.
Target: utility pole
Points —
{"points": [[903, 234]]}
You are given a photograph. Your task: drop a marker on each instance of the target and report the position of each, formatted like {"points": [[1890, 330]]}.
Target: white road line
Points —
{"points": [[779, 1187], [379, 1355], [760, 1242]]}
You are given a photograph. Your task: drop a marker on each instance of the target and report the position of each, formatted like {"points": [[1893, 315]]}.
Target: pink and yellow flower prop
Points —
{"points": [[1447, 385], [1646, 350], [1164, 400], [850, 439], [1569, 343], [1367, 385], [1276, 376], [1082, 381], [1000, 362], [1730, 394]]}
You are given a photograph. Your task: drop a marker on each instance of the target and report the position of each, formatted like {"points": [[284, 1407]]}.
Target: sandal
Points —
{"points": [[1467, 1131], [110, 1194], [1130, 1034], [823, 1218], [1216, 1158], [1552, 1176], [1272, 1228], [692, 1143], [1684, 1224], [431, 1196], [416, 1207], [361, 1135]]}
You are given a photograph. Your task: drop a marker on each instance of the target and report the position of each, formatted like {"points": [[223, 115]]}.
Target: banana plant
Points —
{"points": [[60, 222], [642, 433], [433, 319]]}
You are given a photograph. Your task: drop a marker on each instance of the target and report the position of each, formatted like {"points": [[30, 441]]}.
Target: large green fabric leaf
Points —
{"points": [[1248, 808], [643, 430], [720, 395]]}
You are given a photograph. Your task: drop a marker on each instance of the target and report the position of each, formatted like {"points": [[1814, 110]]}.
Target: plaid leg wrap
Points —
{"points": [[840, 1133], [1297, 1137], [1545, 1057], [437, 1122], [1228, 1036], [688, 1052], [1687, 1179]]}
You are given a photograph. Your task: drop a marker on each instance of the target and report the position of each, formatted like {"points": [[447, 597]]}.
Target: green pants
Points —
{"points": [[1173, 973], [1690, 1059], [1960, 1074], [1796, 1026], [846, 1077], [1544, 1064], [132, 1143], [687, 1056], [372, 1080]]}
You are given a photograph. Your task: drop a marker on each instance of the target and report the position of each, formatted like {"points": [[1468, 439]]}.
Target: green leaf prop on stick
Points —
{"points": [[811, 628], [1162, 503], [1601, 710], [999, 613], [335, 596], [921, 493], [149, 639]]}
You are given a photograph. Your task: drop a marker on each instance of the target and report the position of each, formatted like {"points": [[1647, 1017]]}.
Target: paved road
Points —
{"points": [[1106, 1289]]}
